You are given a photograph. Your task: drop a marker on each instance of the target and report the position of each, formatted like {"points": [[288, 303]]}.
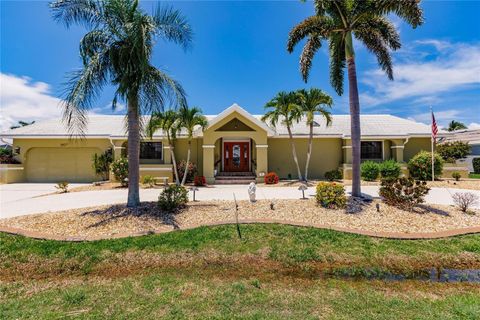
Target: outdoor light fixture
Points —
{"points": [[193, 189], [303, 187], [378, 207], [17, 150]]}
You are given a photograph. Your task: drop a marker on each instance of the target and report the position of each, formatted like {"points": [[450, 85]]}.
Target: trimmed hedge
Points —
{"points": [[420, 166], [390, 169], [173, 198], [334, 175], [369, 170], [476, 165], [331, 195]]}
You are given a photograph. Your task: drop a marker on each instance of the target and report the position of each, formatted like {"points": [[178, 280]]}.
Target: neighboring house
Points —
{"points": [[473, 139], [234, 143]]}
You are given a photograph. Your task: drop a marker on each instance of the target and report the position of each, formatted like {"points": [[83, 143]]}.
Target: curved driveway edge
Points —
{"points": [[387, 235]]}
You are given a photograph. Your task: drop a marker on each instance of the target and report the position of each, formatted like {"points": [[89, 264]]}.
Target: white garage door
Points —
{"points": [[60, 164]]}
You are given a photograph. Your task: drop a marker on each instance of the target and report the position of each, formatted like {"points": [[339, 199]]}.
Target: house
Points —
{"points": [[473, 139], [234, 143]]}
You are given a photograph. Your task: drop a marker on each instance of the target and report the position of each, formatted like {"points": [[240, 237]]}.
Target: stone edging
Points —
{"points": [[387, 235]]}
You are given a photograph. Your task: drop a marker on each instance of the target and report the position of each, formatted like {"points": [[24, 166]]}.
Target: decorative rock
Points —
{"points": [[252, 189]]}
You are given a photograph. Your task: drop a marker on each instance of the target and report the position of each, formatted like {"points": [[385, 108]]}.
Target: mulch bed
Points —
{"points": [[115, 220]]}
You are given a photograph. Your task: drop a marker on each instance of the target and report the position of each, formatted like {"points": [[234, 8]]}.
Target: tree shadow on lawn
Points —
{"points": [[149, 210]]}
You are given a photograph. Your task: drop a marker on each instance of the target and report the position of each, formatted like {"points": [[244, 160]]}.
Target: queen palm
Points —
{"points": [[285, 107], [168, 122], [190, 119], [314, 101], [338, 21], [456, 125], [117, 50]]}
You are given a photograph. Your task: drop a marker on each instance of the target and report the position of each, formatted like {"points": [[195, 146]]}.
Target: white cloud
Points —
{"points": [[451, 67], [440, 116], [23, 99], [474, 125]]}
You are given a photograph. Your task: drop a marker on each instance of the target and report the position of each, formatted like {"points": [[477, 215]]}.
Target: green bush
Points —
{"points": [[420, 166], [476, 165], [369, 170], [173, 198], [7, 157], [330, 195], [451, 151], [334, 175], [148, 181], [101, 163], [390, 169], [404, 193], [120, 170], [192, 170], [456, 175]]}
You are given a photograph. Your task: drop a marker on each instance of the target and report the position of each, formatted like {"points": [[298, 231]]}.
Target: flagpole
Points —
{"points": [[431, 140]]}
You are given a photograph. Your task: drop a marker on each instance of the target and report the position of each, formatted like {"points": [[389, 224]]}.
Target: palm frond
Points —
{"points": [[408, 10], [337, 62], [383, 27], [322, 26], [309, 50], [84, 12], [173, 26], [375, 44]]}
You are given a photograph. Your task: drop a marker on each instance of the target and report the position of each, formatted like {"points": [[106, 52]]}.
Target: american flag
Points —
{"points": [[434, 128]]}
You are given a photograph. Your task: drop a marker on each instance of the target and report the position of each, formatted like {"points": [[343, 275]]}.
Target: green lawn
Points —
{"points": [[474, 175], [274, 272]]}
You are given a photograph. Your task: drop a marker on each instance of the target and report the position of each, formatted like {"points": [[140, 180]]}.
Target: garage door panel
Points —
{"points": [[60, 164]]}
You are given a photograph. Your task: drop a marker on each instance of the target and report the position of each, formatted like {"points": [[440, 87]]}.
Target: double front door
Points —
{"points": [[236, 156]]}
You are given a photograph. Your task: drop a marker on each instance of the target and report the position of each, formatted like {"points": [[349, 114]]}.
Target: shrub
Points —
{"points": [[62, 186], [120, 170], [334, 175], [369, 170], [476, 165], [6, 156], [101, 163], [451, 151], [390, 169], [199, 181], [192, 170], [420, 166], [148, 180], [456, 175], [331, 195], [271, 178], [173, 198], [404, 193], [464, 200]]}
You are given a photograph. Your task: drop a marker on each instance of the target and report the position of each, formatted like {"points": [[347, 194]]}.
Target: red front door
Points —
{"points": [[236, 156]]}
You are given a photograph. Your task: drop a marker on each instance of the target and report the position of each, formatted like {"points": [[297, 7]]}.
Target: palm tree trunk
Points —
{"points": [[133, 152], [184, 179], [354, 125], [175, 170], [294, 153], [309, 152]]}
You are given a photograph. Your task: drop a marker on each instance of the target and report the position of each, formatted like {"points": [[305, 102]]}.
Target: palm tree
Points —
{"points": [[190, 118], [167, 121], [338, 21], [117, 50], [456, 125], [314, 101], [22, 124], [286, 107]]}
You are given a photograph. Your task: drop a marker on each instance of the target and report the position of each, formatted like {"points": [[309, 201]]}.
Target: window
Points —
{"points": [[151, 150], [371, 150]]}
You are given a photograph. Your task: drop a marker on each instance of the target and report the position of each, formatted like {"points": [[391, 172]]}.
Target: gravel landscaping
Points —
{"points": [[116, 220]]}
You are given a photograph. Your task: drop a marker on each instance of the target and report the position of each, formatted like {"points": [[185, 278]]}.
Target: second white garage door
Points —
{"points": [[60, 164]]}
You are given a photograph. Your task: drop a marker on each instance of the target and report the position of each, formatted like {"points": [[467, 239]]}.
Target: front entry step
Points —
{"points": [[234, 178]]}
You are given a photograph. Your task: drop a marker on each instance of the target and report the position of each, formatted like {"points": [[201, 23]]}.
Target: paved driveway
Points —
{"points": [[22, 199]]}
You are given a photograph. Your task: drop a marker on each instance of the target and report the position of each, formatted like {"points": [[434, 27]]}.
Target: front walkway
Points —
{"points": [[23, 199]]}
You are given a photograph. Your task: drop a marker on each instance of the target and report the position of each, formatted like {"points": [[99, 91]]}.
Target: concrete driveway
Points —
{"points": [[23, 199]]}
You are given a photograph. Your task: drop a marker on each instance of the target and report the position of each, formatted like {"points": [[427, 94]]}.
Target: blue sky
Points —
{"points": [[239, 56]]}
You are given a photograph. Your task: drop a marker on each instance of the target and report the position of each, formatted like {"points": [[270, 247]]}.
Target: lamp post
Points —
{"points": [[303, 187], [193, 189]]}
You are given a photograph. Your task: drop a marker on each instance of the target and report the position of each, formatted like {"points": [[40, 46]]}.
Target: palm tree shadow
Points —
{"points": [[148, 210], [424, 209]]}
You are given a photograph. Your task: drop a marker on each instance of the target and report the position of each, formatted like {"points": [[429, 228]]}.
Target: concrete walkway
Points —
{"points": [[23, 199]]}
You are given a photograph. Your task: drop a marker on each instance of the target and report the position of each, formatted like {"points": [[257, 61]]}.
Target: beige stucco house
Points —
{"points": [[234, 143]]}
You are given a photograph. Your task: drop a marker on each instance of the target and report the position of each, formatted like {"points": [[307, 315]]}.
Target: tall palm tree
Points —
{"points": [[286, 107], [190, 119], [167, 121], [314, 101], [338, 21], [22, 124], [117, 50], [456, 125]]}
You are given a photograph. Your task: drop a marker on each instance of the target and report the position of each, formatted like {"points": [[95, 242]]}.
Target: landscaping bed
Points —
{"points": [[118, 221]]}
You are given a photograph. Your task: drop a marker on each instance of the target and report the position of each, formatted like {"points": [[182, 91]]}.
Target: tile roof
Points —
{"points": [[114, 126]]}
